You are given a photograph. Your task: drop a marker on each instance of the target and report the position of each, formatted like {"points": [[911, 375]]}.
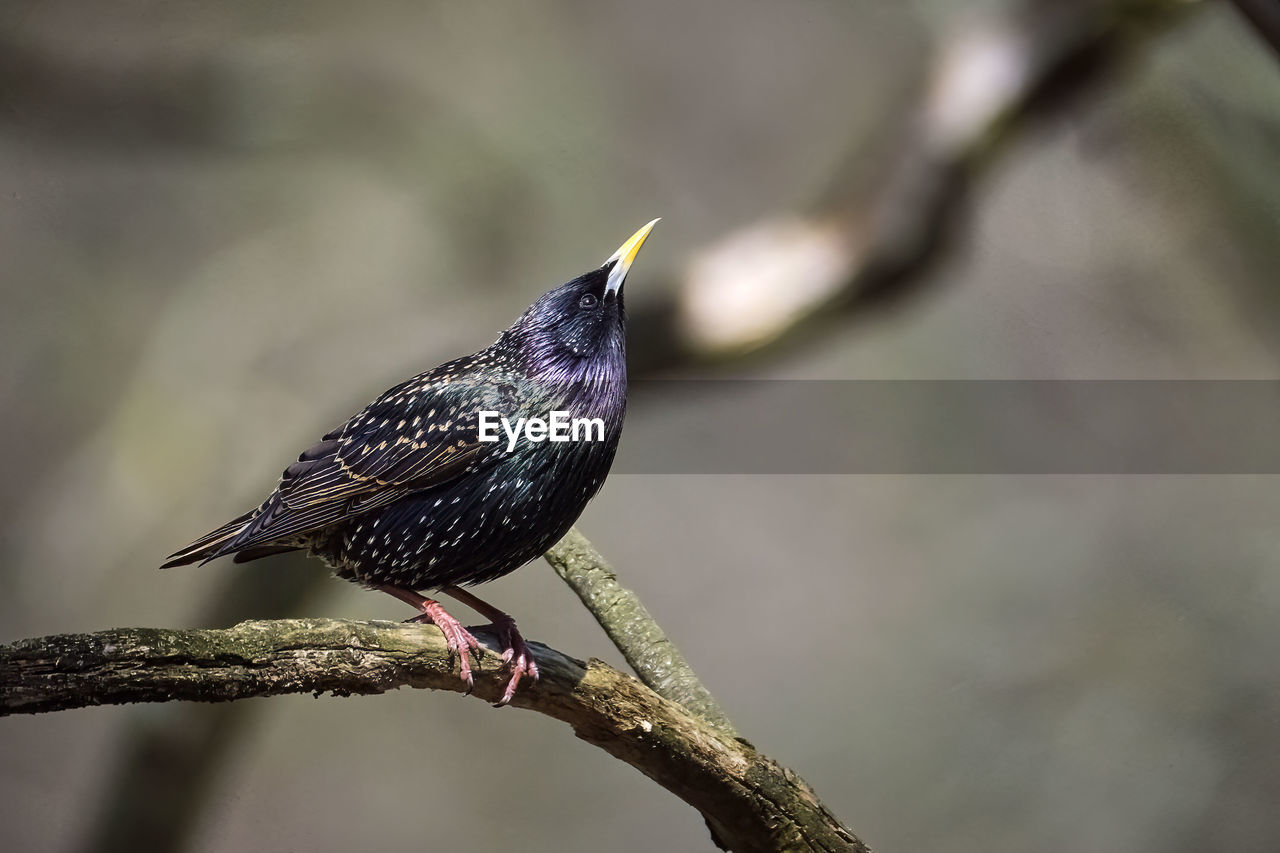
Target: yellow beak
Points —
{"points": [[624, 257]]}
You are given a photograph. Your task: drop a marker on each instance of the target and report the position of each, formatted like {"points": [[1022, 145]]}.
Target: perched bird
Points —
{"points": [[412, 494]]}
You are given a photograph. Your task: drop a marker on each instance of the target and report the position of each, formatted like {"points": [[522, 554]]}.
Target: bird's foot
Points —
{"points": [[515, 655], [457, 638]]}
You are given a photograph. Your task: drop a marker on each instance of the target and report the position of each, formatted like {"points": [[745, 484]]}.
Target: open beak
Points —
{"points": [[624, 257]]}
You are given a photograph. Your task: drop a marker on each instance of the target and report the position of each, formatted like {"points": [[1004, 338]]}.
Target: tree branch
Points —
{"points": [[633, 630], [753, 803]]}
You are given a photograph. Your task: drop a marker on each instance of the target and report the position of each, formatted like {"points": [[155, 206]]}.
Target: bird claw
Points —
{"points": [[516, 656], [458, 640]]}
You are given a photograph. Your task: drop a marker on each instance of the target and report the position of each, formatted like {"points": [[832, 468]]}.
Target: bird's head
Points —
{"points": [[579, 327]]}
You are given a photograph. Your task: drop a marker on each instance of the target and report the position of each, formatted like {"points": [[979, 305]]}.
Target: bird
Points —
{"points": [[412, 494]]}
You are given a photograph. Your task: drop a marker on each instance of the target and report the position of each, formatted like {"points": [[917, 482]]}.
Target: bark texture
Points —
{"points": [[752, 803], [632, 629]]}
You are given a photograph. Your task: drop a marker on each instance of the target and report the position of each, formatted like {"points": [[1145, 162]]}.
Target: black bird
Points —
{"points": [[410, 494]]}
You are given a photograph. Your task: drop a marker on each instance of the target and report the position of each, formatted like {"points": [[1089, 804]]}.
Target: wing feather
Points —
{"points": [[416, 436]]}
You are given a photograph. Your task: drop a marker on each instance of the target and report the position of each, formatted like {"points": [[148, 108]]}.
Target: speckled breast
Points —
{"points": [[476, 528]]}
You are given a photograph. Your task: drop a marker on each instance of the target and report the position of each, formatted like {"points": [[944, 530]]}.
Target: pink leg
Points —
{"points": [[456, 637], [514, 651]]}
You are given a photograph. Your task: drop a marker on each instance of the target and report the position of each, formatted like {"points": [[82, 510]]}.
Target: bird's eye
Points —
{"points": [[588, 300]]}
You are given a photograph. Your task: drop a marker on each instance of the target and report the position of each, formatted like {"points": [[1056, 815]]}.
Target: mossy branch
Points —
{"points": [[752, 803], [632, 629]]}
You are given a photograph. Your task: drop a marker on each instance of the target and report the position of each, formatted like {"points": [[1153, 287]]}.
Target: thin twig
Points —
{"points": [[633, 630], [752, 803]]}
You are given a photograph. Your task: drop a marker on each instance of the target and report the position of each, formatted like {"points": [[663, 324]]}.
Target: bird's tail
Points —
{"points": [[211, 544]]}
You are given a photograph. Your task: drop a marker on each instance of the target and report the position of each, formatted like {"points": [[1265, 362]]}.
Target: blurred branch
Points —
{"points": [[632, 629], [1264, 15], [753, 803], [865, 241]]}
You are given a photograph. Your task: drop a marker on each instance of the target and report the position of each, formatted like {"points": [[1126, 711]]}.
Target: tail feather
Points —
{"points": [[211, 544], [263, 551]]}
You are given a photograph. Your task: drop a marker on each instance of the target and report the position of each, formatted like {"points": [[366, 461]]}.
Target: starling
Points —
{"points": [[423, 491]]}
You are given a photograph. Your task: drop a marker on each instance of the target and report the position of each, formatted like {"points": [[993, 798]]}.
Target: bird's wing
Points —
{"points": [[418, 435]]}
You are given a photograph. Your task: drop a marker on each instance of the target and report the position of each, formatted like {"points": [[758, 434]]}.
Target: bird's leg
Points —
{"points": [[456, 637], [514, 651]]}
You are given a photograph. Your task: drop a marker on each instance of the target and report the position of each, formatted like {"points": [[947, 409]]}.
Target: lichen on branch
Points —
{"points": [[752, 803]]}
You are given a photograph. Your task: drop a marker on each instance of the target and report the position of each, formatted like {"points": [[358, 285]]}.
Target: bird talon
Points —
{"points": [[459, 642]]}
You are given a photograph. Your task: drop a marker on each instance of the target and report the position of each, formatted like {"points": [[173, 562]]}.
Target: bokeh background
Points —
{"points": [[226, 226]]}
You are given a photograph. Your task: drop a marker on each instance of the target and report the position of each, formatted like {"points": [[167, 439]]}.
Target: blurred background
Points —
{"points": [[225, 227]]}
